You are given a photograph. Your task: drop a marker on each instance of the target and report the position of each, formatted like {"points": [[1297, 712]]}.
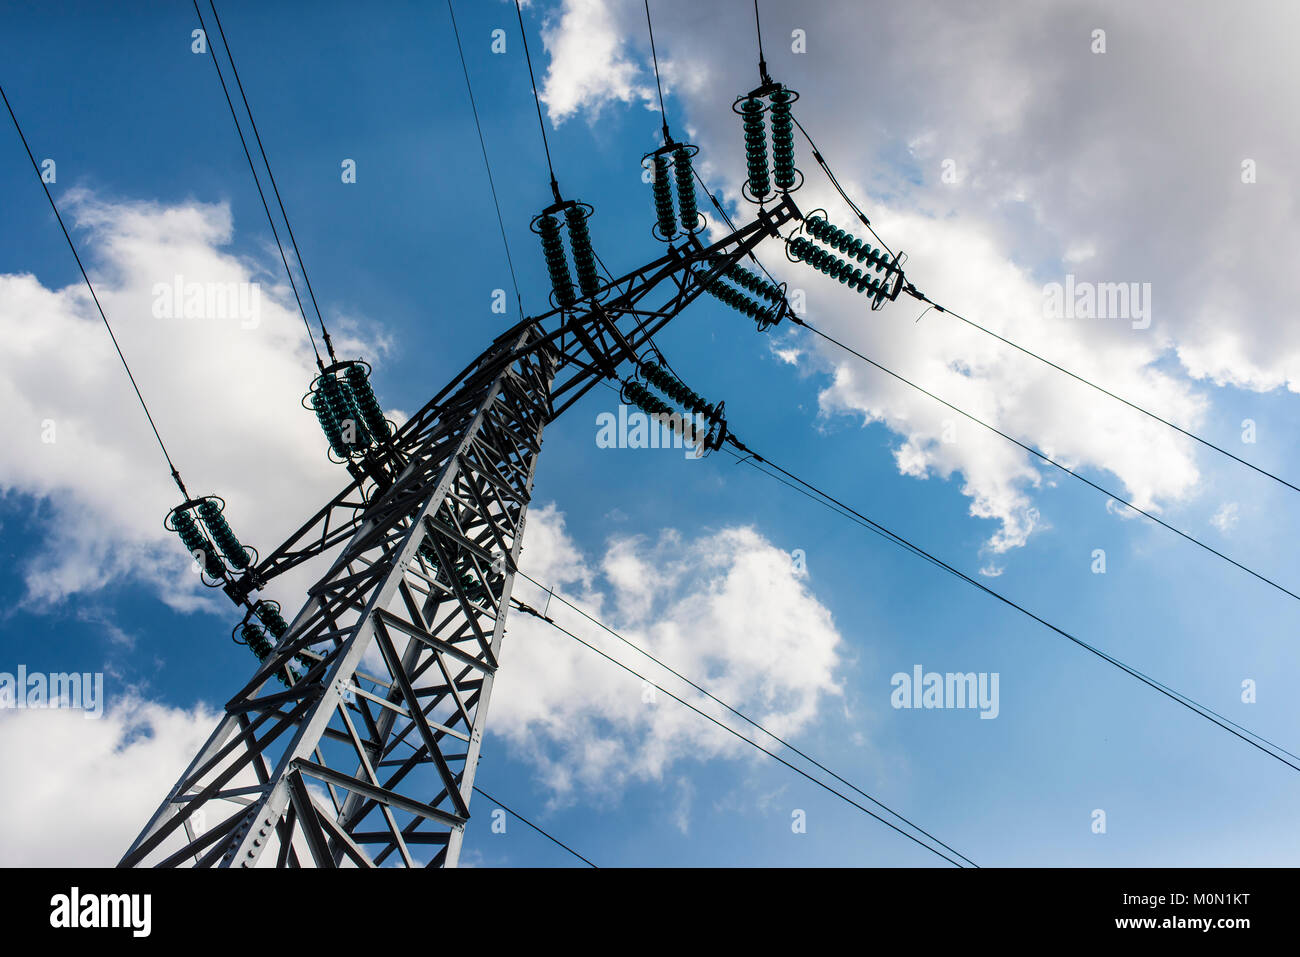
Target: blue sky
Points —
{"points": [[405, 262]]}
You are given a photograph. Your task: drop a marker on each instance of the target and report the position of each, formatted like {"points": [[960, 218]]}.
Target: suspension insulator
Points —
{"points": [[219, 529], [735, 299], [360, 431], [649, 403], [759, 286], [196, 543], [332, 402], [474, 590], [558, 267], [363, 396], [685, 189], [329, 423], [675, 389], [255, 637], [262, 632], [269, 613], [756, 149], [467, 583], [830, 264], [782, 141], [584, 258], [847, 243], [663, 190], [669, 417], [260, 644]]}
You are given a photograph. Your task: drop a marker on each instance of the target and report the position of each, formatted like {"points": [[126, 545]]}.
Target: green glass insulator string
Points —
{"points": [[662, 412], [782, 140], [262, 638], [830, 264], [761, 287], [360, 431], [735, 299], [663, 193], [846, 243], [648, 402], [255, 637], [756, 148], [584, 257], [675, 389], [196, 543], [219, 529], [685, 189], [556, 265], [367, 404], [332, 403], [269, 614]]}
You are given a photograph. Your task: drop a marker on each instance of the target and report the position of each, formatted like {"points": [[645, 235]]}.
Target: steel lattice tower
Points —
{"points": [[368, 755]]}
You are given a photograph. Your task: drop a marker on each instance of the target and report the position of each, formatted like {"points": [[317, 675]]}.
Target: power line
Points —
{"points": [[762, 63], [258, 183], [528, 609], [1034, 451], [1250, 737], [329, 346], [1046, 458], [486, 164], [911, 290], [537, 102], [830, 175], [744, 717], [655, 56], [176, 475], [756, 461], [549, 837], [730, 225], [747, 459], [858, 520]]}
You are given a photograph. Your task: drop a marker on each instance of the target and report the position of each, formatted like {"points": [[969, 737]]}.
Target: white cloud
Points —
{"points": [[726, 608], [682, 810], [226, 400], [1106, 166], [1225, 519], [76, 792], [588, 66]]}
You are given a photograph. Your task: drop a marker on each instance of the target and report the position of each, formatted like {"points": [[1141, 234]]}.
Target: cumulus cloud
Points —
{"points": [[224, 388], [1225, 519], [589, 68], [1124, 166], [725, 607], [81, 790]]}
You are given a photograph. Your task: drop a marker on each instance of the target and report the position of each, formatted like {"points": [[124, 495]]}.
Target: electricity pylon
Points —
{"points": [[357, 740]]}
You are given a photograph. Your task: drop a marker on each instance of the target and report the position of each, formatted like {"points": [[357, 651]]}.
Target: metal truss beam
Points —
{"points": [[372, 750], [593, 339], [367, 757]]}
